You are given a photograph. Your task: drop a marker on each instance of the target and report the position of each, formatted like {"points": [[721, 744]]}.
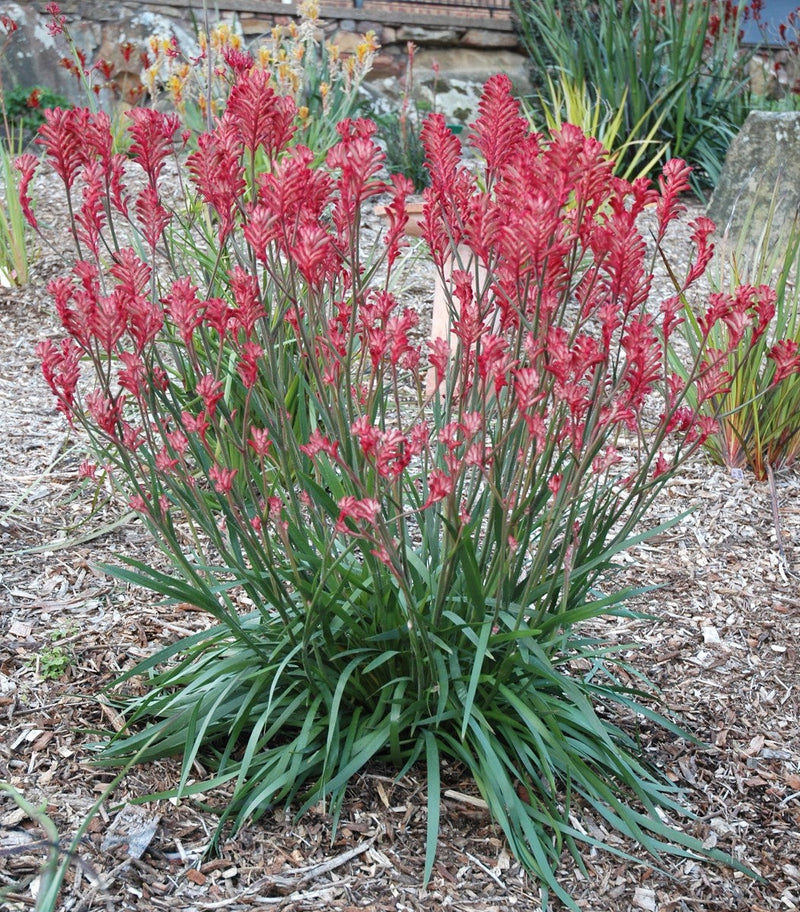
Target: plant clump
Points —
{"points": [[394, 576]]}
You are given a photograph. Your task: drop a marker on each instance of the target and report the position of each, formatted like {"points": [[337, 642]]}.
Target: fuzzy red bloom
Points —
{"points": [[105, 411], [91, 216], [439, 357], [184, 308], [359, 161], [249, 307], [218, 174], [714, 378], [145, 319], [397, 216], [108, 320], [394, 454], [447, 199], [763, 309], [673, 180], [314, 253], [367, 435], [195, 424], [248, 364], [357, 509], [26, 164], [222, 478], [99, 138], [209, 389], [499, 129], [261, 229], [62, 136], [294, 191], [87, 469], [165, 461], [177, 441], [218, 315], [56, 25], [152, 137], [132, 273], [703, 228], [643, 361], [260, 441], [260, 117], [786, 356], [61, 370], [528, 387], [440, 486], [319, 443], [153, 218], [133, 376]]}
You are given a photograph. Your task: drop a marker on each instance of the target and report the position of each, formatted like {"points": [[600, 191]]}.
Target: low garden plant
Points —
{"points": [[24, 109], [14, 239], [394, 577], [758, 407]]}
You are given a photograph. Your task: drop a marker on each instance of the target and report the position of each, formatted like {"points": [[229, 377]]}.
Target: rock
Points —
{"points": [[471, 64], [422, 36], [764, 156], [644, 898], [483, 38], [347, 42]]}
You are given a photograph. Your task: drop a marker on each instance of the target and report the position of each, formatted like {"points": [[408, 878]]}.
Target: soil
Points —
{"points": [[722, 646]]}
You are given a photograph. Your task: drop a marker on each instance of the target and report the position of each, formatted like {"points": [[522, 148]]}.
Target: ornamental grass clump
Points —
{"points": [[676, 71], [394, 577]]}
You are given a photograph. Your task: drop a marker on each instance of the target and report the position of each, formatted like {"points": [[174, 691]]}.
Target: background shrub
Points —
{"points": [[675, 67]]}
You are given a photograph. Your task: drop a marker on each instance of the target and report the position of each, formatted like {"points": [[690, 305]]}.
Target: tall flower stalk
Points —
{"points": [[394, 577]]}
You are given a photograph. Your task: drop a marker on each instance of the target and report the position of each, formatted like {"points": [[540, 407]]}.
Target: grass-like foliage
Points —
{"points": [[395, 577], [677, 67], [563, 101], [758, 405], [14, 250]]}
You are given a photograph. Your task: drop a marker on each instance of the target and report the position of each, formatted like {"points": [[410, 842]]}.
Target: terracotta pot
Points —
{"points": [[414, 211]]}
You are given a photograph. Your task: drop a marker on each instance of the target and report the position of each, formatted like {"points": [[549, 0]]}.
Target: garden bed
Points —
{"points": [[722, 646]]}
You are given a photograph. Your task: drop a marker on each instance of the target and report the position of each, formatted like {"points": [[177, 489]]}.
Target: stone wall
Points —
{"points": [[467, 44]]}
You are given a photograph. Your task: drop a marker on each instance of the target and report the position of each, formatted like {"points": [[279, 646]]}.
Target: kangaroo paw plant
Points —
{"points": [[394, 577]]}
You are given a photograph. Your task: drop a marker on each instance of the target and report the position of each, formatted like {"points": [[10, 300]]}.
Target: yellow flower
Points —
{"points": [[285, 73], [367, 47], [309, 9], [220, 35], [175, 89]]}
